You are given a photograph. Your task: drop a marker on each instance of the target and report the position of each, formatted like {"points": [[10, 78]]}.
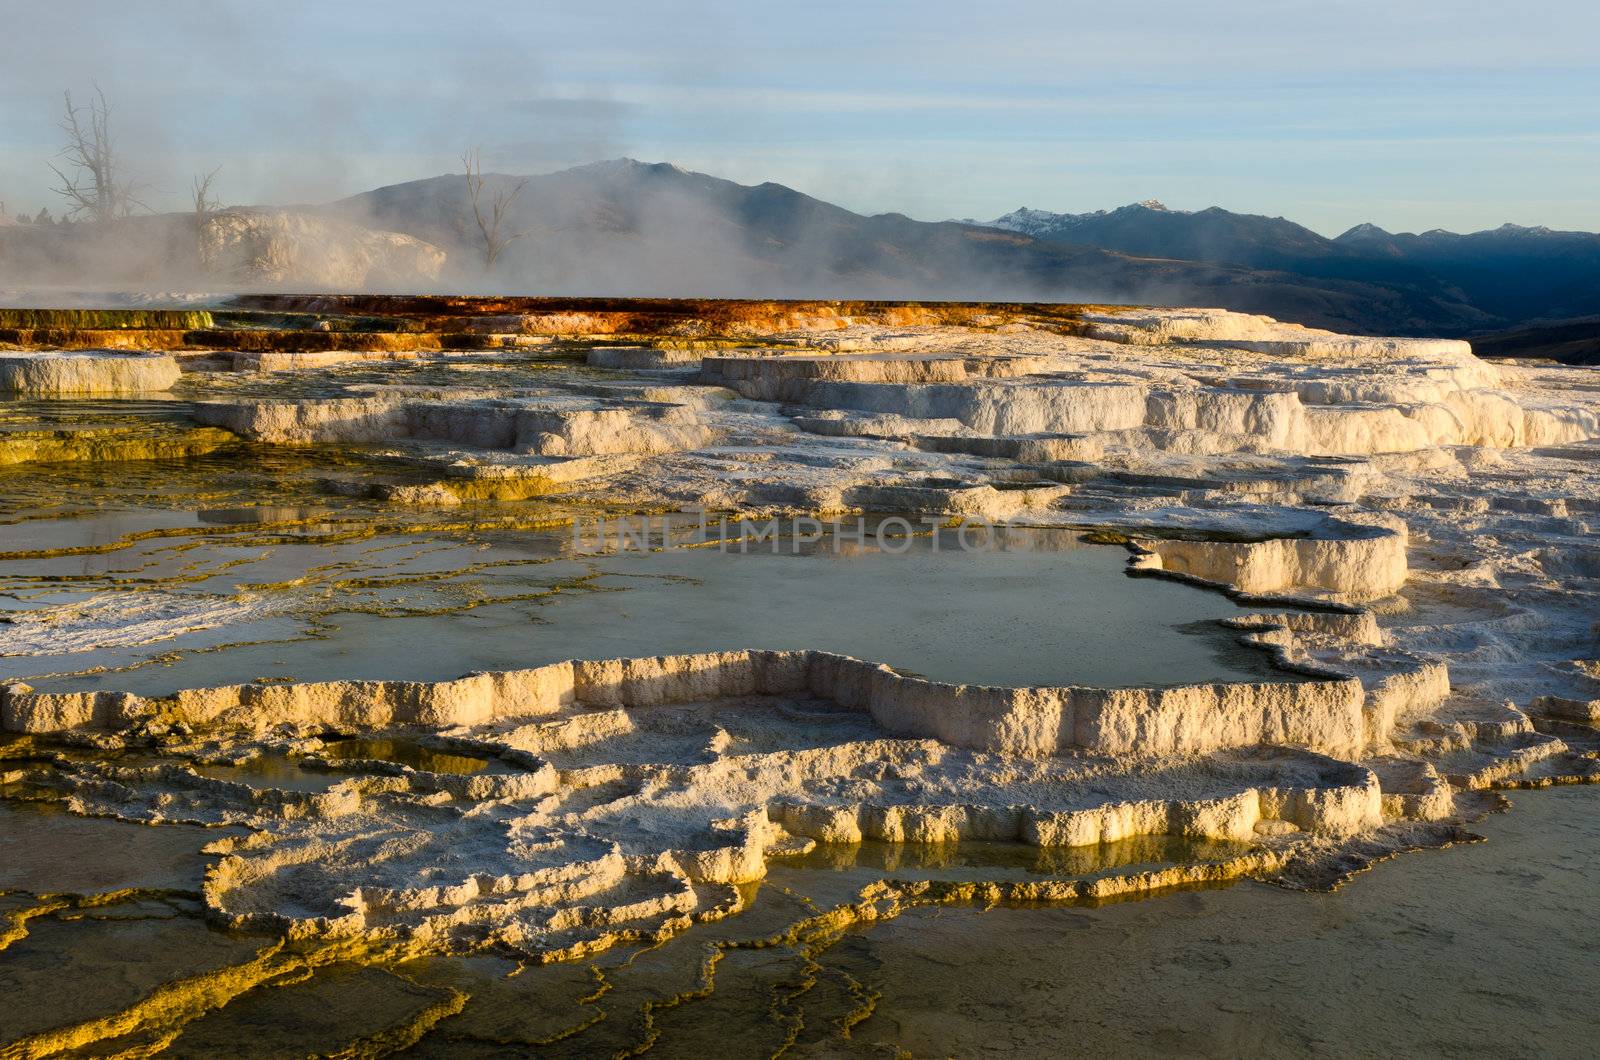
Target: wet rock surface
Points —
{"points": [[1411, 525]]}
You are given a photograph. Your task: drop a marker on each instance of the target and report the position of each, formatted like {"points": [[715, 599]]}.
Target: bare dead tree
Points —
{"points": [[91, 182], [205, 205], [493, 236]]}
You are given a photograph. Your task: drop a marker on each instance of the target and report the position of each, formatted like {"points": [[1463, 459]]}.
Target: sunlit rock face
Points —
{"points": [[642, 789], [1269, 386], [98, 372], [1407, 528], [536, 428]]}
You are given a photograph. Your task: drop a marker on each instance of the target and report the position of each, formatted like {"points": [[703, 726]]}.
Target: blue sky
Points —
{"points": [[1413, 115]]}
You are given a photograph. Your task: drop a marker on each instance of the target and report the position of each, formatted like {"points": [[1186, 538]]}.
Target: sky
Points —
{"points": [[1411, 114]]}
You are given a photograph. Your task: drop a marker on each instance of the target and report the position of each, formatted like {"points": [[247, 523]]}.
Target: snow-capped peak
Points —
{"points": [[1033, 222]]}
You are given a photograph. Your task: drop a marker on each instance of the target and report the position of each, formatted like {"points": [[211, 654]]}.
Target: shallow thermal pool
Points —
{"points": [[1467, 950], [151, 599]]}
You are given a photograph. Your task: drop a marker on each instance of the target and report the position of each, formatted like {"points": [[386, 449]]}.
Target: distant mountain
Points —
{"points": [[1152, 230], [1245, 240], [624, 227], [1511, 272], [627, 227], [1508, 275]]}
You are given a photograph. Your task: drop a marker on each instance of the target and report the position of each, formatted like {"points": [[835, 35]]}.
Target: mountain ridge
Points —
{"points": [[625, 226], [622, 227], [1511, 274]]}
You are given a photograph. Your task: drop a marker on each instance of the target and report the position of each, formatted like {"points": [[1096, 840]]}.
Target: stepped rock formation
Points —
{"points": [[98, 372], [1411, 527]]}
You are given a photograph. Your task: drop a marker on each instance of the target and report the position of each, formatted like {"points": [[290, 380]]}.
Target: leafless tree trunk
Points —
{"points": [[205, 204], [493, 236], [91, 183]]}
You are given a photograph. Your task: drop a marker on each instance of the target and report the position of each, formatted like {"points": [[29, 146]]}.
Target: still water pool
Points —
{"points": [[151, 600]]}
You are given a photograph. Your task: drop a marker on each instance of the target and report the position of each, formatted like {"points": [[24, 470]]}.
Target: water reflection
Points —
{"points": [[409, 753]]}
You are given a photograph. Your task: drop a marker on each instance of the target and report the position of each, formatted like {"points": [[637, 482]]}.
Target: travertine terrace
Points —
{"points": [[1413, 527]]}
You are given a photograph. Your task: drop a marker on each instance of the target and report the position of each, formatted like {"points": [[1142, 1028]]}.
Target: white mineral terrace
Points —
{"points": [[1440, 508], [50, 374]]}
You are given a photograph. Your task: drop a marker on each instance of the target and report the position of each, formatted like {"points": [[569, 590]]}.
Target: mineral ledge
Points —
{"points": [[1438, 508]]}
